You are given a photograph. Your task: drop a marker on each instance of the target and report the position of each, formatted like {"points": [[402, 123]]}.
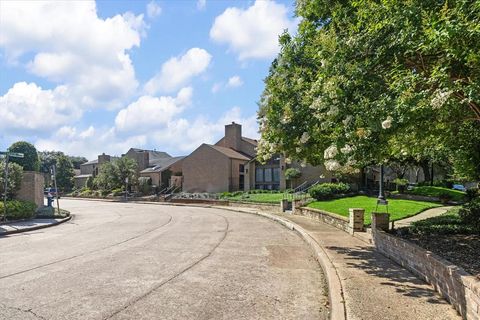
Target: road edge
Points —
{"points": [[37, 227]]}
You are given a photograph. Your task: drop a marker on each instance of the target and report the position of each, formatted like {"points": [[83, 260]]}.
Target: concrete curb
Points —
{"points": [[335, 289], [37, 227]]}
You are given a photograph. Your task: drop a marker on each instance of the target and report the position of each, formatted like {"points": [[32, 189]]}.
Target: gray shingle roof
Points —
{"points": [[230, 152], [162, 164]]}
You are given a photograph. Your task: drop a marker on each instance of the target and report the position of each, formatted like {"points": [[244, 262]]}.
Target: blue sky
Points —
{"points": [[87, 77]]}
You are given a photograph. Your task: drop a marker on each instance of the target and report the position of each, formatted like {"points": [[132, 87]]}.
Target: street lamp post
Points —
{"points": [[5, 182], [381, 200]]}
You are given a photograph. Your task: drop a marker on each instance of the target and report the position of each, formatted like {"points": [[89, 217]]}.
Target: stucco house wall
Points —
{"points": [[206, 170]]}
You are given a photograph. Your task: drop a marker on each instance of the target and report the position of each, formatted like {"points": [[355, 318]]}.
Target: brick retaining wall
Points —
{"points": [[333, 219], [269, 207], [460, 288]]}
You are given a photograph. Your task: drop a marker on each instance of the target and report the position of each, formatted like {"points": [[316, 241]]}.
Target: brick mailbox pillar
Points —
{"points": [[356, 219], [380, 220]]}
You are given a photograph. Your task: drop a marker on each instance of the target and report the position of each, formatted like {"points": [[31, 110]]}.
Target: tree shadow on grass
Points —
{"points": [[375, 264]]}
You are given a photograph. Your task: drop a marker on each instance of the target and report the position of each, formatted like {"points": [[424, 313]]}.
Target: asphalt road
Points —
{"points": [[145, 261]]}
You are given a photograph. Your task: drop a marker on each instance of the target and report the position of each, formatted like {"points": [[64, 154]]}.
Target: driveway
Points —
{"points": [[146, 261]]}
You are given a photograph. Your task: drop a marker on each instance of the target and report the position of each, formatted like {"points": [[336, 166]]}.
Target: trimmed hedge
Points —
{"points": [[18, 209], [326, 191]]}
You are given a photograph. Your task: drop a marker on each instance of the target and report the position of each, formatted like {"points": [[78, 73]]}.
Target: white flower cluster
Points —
{"points": [[288, 160], [332, 165], [265, 150], [386, 124], [346, 149], [330, 153], [333, 111], [347, 120], [305, 137], [439, 98]]}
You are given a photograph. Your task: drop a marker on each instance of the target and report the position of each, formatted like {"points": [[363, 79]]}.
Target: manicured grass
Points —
{"points": [[398, 209], [436, 192], [259, 197]]}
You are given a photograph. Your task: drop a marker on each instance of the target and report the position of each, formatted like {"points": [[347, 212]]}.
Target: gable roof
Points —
{"points": [[90, 162], [251, 141], [230, 152]]}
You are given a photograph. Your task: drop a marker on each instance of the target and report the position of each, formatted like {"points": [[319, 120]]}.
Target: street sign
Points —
{"points": [[15, 154], [12, 154]]}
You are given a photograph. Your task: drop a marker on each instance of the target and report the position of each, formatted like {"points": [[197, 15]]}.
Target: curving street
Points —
{"points": [[147, 261]]}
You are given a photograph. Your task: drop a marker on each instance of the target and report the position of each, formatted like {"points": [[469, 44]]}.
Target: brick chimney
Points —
{"points": [[233, 136], [103, 158]]}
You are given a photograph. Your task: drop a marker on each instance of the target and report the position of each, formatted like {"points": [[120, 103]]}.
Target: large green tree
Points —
{"points": [[65, 173], [112, 175], [367, 81], [30, 161], [15, 175]]}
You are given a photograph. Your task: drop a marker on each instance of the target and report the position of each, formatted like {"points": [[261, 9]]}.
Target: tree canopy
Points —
{"points": [[30, 161], [369, 81], [65, 173]]}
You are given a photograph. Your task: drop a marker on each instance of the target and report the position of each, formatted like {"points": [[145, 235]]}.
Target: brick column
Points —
{"points": [[283, 205], [380, 220], [356, 220]]}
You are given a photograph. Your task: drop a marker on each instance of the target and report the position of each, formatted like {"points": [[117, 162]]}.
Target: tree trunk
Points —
{"points": [[426, 170]]}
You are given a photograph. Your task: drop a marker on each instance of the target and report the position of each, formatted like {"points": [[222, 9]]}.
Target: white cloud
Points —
{"points": [[148, 113], [184, 136], [90, 146], [253, 32], [27, 107], [201, 4], [234, 82], [178, 71], [153, 9], [70, 45]]}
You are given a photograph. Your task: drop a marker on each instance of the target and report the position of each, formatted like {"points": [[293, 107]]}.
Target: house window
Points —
{"points": [[276, 174], [259, 175], [241, 168], [268, 175]]}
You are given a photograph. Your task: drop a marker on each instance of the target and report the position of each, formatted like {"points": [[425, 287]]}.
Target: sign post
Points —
{"points": [[7, 156], [54, 175]]}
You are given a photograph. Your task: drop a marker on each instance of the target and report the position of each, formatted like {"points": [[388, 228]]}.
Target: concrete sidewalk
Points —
{"points": [[373, 286], [433, 212], [29, 225]]}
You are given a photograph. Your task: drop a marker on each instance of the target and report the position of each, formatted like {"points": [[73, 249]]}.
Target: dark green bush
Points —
{"points": [[445, 197], [19, 209], [470, 213], [472, 194], [327, 191]]}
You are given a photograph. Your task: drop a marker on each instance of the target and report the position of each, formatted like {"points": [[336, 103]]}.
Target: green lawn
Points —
{"points": [[259, 197], [398, 209], [436, 192]]}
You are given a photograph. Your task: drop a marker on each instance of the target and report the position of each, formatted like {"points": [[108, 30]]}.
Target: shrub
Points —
{"points": [[470, 213], [472, 194], [117, 192], [445, 197], [327, 191], [19, 209], [401, 184], [145, 185]]}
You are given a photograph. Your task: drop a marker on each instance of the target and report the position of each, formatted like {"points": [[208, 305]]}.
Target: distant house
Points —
{"points": [[90, 169], [166, 172], [230, 165]]}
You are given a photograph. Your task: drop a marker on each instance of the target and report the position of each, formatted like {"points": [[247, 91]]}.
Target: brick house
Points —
{"points": [[90, 169], [230, 165]]}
